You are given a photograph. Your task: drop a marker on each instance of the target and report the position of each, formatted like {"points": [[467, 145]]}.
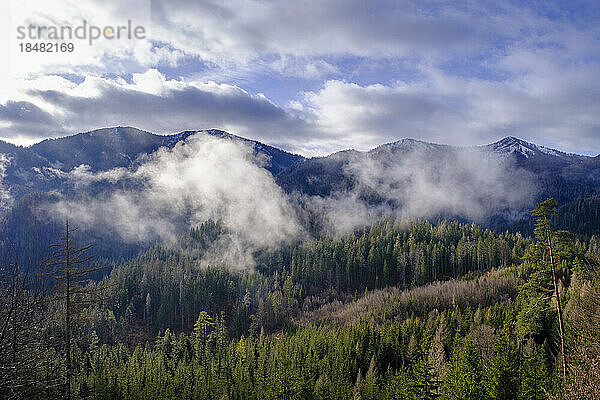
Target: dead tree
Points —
{"points": [[72, 286], [546, 239], [21, 319]]}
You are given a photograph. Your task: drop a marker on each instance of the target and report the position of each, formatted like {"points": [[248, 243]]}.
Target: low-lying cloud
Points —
{"points": [[426, 182], [5, 196], [202, 178], [221, 179]]}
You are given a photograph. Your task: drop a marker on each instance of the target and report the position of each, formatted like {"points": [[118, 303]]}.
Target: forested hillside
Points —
{"points": [[305, 200], [399, 309], [169, 285]]}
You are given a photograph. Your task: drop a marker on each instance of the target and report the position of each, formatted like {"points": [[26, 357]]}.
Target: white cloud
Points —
{"points": [[240, 31], [543, 106], [149, 102], [199, 179], [476, 72]]}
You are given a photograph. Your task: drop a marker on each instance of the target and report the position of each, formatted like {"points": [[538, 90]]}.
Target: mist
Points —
{"points": [[427, 182], [202, 178], [6, 199], [221, 179]]}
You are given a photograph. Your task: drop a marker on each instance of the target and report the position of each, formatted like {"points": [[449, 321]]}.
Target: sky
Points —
{"points": [[312, 77]]}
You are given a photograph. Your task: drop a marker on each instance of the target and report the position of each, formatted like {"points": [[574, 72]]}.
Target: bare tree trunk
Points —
{"points": [[561, 325], [64, 266], [68, 314]]}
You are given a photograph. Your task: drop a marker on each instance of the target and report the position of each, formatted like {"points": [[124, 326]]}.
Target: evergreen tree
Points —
{"points": [[534, 380], [464, 380], [503, 370], [546, 239]]}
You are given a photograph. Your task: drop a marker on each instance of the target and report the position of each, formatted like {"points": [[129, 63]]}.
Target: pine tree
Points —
{"points": [[464, 380], [504, 367], [426, 383], [368, 388], [534, 379]]}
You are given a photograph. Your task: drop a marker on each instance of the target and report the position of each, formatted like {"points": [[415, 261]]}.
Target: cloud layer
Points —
{"points": [[200, 179], [207, 178], [319, 76], [416, 180]]}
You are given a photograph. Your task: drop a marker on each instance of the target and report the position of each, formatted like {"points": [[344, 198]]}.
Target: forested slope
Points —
{"points": [[400, 309]]}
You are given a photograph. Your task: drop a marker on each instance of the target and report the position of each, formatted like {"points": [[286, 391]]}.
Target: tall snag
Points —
{"points": [[546, 239], [72, 285]]}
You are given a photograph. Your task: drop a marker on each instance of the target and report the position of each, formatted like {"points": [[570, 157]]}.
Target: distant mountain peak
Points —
{"points": [[513, 145], [115, 131], [407, 144], [522, 148], [120, 146], [279, 159]]}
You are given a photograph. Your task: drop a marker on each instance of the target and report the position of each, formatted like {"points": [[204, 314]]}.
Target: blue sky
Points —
{"points": [[315, 76]]}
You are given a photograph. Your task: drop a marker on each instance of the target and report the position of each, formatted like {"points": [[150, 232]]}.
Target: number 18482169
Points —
{"points": [[46, 47]]}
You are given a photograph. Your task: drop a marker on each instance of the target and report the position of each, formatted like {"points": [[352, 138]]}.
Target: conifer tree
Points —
{"points": [[504, 367], [464, 380], [534, 376], [426, 382]]}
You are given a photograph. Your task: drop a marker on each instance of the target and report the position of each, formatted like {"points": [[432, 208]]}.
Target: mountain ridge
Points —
{"points": [[26, 168], [377, 179], [503, 144], [512, 144]]}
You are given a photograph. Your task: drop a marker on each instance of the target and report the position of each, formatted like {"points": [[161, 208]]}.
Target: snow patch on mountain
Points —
{"points": [[407, 144], [512, 145]]}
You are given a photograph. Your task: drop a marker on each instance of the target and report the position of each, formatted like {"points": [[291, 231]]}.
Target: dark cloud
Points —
{"points": [[172, 109], [25, 116]]}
